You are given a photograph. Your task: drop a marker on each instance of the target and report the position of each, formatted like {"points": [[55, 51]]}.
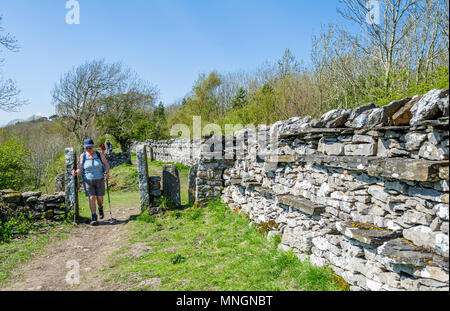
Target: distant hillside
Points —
{"points": [[33, 118]]}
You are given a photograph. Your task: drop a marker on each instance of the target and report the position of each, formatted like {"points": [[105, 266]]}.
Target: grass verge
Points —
{"points": [[17, 252], [209, 249]]}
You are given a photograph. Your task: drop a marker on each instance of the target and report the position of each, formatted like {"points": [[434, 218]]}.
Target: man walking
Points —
{"points": [[109, 147], [103, 147], [95, 169]]}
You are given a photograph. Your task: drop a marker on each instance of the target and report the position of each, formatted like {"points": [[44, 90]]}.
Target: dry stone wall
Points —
{"points": [[364, 191], [361, 195], [116, 159], [185, 151], [30, 204]]}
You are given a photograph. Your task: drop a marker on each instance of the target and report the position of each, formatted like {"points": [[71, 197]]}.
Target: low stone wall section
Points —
{"points": [[116, 159], [30, 204], [184, 151]]}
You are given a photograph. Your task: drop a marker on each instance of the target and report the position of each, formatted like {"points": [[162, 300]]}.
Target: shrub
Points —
{"points": [[19, 225], [13, 167], [6, 231], [52, 170]]}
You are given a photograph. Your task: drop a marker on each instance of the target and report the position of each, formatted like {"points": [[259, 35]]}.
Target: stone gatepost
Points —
{"points": [[71, 183], [144, 187], [192, 183], [150, 154], [60, 185], [171, 183]]}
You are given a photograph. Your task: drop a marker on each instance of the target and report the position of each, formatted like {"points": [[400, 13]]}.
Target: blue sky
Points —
{"points": [[167, 42]]}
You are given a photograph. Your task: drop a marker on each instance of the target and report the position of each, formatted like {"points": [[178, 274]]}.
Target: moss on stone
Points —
{"points": [[367, 226], [409, 242], [341, 282], [265, 227]]}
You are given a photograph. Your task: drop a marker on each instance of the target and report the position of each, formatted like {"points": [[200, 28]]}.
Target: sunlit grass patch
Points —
{"points": [[119, 201]]}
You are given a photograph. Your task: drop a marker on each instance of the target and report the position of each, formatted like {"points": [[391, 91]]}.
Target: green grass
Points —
{"points": [[211, 249], [119, 201], [182, 169], [124, 178], [17, 252]]}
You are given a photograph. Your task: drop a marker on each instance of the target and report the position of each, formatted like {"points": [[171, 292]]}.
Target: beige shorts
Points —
{"points": [[95, 187]]}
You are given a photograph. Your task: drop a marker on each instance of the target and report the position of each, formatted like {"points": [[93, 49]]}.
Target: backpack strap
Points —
{"points": [[82, 165], [99, 156]]}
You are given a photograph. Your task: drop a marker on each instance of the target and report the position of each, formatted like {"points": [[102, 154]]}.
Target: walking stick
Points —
{"points": [[109, 202]]}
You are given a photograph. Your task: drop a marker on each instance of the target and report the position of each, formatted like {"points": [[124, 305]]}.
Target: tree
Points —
{"points": [[402, 54], [45, 140], [79, 93], [385, 38], [262, 107], [288, 65], [202, 102], [46, 144], [427, 41], [9, 101], [337, 67], [383, 61], [123, 113], [240, 100], [160, 129]]}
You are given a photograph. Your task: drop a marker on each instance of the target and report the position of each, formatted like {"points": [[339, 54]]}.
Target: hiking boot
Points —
{"points": [[94, 220], [100, 212]]}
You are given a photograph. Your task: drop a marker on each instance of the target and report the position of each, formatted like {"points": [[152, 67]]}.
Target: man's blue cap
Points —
{"points": [[88, 143]]}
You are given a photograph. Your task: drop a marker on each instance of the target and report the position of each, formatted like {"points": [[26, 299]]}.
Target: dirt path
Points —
{"points": [[89, 246]]}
